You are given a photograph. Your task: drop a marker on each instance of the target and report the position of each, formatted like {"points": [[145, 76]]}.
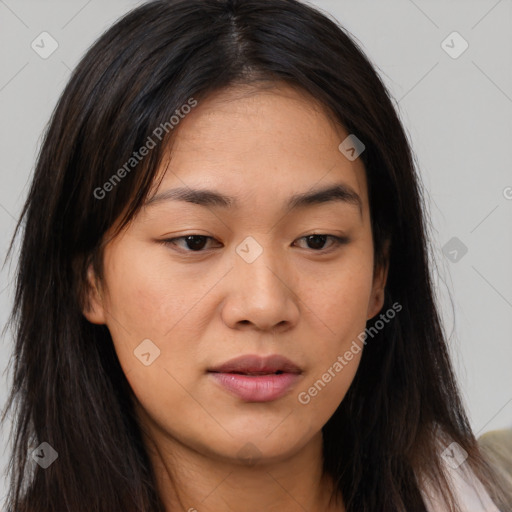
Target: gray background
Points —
{"points": [[457, 111]]}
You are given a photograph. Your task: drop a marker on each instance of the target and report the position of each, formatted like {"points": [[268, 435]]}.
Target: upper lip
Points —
{"points": [[257, 364]]}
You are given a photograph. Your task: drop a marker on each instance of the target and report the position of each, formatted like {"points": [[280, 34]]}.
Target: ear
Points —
{"points": [[380, 275], [94, 310]]}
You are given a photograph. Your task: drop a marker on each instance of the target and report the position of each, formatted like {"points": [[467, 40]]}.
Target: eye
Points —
{"points": [[197, 243], [193, 243], [317, 241]]}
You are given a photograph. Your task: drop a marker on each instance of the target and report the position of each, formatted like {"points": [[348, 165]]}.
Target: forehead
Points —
{"points": [[260, 143]]}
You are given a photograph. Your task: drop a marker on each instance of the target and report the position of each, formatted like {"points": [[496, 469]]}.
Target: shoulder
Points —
{"points": [[469, 492]]}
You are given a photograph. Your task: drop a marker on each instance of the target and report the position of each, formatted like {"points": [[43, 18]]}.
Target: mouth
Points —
{"points": [[278, 372], [257, 379], [257, 365]]}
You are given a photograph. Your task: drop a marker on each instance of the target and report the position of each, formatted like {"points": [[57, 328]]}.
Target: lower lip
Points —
{"points": [[258, 388]]}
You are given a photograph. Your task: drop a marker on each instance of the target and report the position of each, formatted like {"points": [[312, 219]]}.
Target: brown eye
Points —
{"points": [[317, 241], [198, 243], [193, 243]]}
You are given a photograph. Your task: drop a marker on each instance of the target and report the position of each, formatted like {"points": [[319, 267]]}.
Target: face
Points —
{"points": [[192, 284]]}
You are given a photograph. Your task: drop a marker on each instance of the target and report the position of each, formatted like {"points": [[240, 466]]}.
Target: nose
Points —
{"points": [[262, 294]]}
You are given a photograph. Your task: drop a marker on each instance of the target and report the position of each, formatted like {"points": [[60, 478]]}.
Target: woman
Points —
{"points": [[223, 298]]}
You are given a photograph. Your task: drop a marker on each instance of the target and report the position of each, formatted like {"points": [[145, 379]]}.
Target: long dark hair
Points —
{"points": [[68, 388]]}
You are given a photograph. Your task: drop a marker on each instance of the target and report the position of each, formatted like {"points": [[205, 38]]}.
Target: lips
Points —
{"points": [[257, 365], [255, 378]]}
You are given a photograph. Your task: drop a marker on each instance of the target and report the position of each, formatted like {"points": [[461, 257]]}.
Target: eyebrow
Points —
{"points": [[339, 192]]}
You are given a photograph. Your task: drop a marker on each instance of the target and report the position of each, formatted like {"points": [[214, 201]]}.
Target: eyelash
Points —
{"points": [[337, 242]]}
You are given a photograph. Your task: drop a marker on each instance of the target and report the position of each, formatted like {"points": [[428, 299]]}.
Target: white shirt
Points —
{"points": [[468, 490]]}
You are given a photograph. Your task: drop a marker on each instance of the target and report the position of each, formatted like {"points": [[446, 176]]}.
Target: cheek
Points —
{"points": [[147, 295], [149, 300], [339, 301], [339, 294], [146, 301], [322, 393]]}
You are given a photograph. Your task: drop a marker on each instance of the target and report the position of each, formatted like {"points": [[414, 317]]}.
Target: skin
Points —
{"points": [[305, 301]]}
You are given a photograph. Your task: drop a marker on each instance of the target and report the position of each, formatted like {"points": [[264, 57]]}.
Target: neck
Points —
{"points": [[194, 481]]}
